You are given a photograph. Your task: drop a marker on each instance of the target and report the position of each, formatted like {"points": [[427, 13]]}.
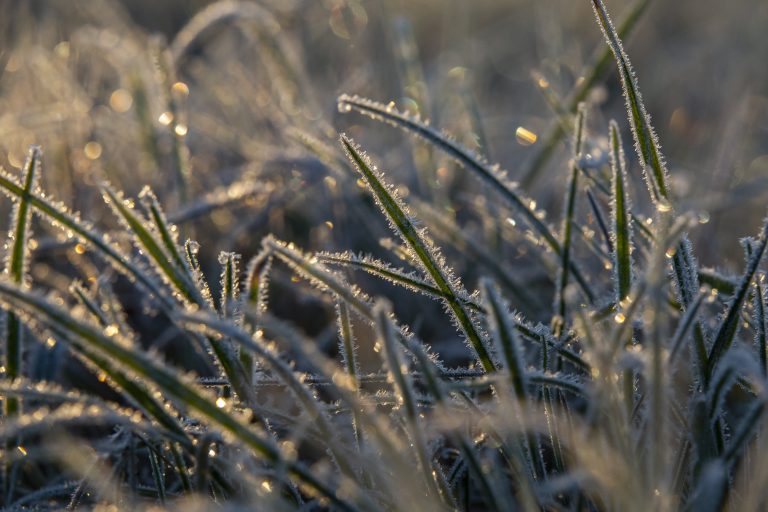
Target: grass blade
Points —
{"points": [[151, 246], [408, 280], [580, 92], [646, 142], [729, 325], [399, 376], [423, 250], [558, 321], [16, 268], [490, 174], [621, 222], [40, 312]]}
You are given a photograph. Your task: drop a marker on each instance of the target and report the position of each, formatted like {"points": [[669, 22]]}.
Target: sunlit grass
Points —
{"points": [[587, 365]]}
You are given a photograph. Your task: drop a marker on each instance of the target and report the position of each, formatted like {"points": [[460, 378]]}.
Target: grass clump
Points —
{"points": [[573, 390]]}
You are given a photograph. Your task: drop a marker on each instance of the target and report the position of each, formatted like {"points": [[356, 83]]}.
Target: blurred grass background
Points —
{"points": [[71, 68]]}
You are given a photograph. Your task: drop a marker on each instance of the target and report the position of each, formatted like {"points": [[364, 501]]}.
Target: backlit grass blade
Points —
{"points": [[17, 266], [646, 142], [153, 247], [42, 313], [348, 351], [58, 215], [558, 321], [408, 280], [230, 284], [477, 253], [727, 328], [621, 222], [165, 231], [423, 250], [508, 345], [579, 93], [489, 174]]}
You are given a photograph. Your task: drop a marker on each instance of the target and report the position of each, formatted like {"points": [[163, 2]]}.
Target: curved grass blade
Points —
{"points": [[408, 280], [40, 312], [491, 175], [423, 250]]}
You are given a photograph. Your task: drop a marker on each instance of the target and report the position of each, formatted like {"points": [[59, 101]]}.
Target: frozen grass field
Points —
{"points": [[365, 255]]}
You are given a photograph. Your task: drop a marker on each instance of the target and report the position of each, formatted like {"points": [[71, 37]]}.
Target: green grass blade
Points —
{"points": [[59, 216], [507, 341], [727, 328], [408, 280], [646, 142], [164, 230], [489, 174], [40, 312], [230, 284], [621, 222], [580, 92], [148, 242], [423, 250], [559, 320], [16, 268]]}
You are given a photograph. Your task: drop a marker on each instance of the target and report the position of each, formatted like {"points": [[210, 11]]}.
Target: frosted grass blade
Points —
{"points": [[17, 267], [40, 312], [727, 328], [559, 320], [646, 142], [621, 222], [399, 376], [580, 92], [423, 250], [408, 280], [490, 174]]}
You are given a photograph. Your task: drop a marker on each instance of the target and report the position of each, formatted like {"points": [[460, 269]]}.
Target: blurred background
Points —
{"points": [[136, 92]]}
